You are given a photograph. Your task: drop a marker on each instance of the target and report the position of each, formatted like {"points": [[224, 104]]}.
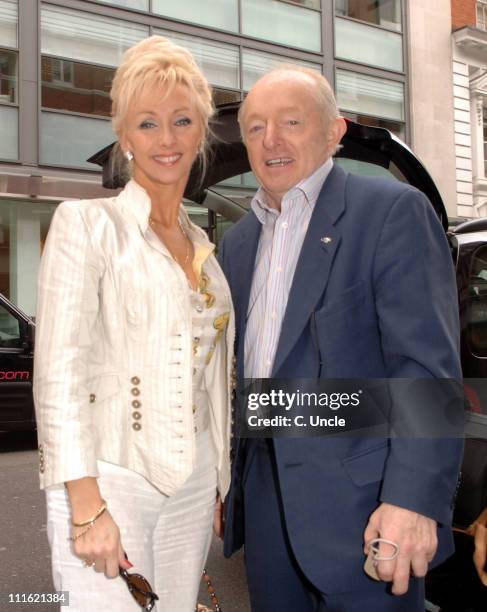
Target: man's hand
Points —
{"points": [[415, 536], [219, 519], [478, 529]]}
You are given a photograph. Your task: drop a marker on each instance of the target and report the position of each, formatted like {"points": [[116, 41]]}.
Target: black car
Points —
{"points": [[16, 368]]}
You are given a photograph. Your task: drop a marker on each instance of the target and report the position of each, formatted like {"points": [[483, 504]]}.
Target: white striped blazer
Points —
{"points": [[113, 360]]}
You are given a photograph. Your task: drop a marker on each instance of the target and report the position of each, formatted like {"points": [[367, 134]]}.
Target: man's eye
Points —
{"points": [[293, 122], [184, 121], [254, 128], [147, 124]]}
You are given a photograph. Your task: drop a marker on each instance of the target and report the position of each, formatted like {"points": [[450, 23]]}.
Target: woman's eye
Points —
{"points": [[147, 124], [184, 121], [293, 122]]}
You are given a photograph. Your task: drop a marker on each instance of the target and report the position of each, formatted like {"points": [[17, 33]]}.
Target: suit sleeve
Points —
{"points": [[417, 309], [67, 311]]}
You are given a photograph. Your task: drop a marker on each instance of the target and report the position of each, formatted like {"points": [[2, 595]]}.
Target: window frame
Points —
{"points": [[481, 6], [374, 25]]}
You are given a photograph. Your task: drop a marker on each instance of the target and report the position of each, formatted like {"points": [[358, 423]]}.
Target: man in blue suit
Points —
{"points": [[336, 276]]}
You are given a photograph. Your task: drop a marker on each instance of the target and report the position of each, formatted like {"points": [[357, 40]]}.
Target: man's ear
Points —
{"points": [[336, 132]]}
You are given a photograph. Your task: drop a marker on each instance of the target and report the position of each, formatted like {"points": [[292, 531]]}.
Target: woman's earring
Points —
{"points": [[129, 155]]}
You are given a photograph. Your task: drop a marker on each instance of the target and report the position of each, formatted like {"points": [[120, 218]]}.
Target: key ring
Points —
{"points": [[374, 547]]}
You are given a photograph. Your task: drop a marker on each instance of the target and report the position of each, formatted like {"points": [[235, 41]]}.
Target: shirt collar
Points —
{"points": [[309, 187], [136, 200]]}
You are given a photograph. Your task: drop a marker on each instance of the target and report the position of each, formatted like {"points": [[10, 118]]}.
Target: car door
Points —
{"points": [[16, 368]]}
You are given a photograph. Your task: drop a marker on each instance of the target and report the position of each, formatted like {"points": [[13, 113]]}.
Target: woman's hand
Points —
{"points": [[219, 518], [478, 529], [100, 544], [101, 547]]}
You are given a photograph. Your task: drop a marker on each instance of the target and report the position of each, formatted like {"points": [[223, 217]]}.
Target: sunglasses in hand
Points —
{"points": [[140, 589]]}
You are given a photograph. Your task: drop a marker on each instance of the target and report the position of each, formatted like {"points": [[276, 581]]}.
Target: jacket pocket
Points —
{"points": [[102, 387], [367, 466]]}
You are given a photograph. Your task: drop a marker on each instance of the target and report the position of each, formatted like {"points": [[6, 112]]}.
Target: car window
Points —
{"points": [[363, 168], [9, 330], [477, 304]]}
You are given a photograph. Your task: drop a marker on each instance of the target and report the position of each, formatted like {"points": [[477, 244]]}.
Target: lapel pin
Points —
{"points": [[326, 239]]}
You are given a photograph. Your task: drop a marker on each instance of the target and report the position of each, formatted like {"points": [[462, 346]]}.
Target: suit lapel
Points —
{"points": [[245, 250], [314, 264]]}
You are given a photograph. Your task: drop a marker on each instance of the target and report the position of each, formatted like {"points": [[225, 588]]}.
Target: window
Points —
{"points": [[79, 54], [9, 142], [8, 23], [68, 140], [367, 95], [23, 230], [76, 87], [9, 114], [295, 23], [393, 126], [370, 45], [477, 308], [222, 14], [385, 13], [9, 330], [87, 37], [316, 4], [219, 62], [485, 139], [282, 23], [8, 77], [256, 63], [482, 15], [141, 5]]}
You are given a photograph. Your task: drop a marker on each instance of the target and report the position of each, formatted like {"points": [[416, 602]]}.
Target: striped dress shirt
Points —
{"points": [[280, 244]]}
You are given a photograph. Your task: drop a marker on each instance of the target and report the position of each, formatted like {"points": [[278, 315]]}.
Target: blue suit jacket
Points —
{"points": [[377, 301]]}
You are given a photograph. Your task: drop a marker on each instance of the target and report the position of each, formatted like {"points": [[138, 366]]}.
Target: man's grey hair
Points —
{"points": [[325, 97]]}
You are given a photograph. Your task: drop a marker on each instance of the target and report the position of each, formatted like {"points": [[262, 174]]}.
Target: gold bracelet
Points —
{"points": [[90, 521], [73, 538]]}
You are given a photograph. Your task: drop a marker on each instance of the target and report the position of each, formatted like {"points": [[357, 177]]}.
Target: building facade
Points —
{"points": [[469, 53], [57, 59]]}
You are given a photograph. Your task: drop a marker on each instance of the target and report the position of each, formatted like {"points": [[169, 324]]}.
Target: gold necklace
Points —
{"points": [[153, 222]]}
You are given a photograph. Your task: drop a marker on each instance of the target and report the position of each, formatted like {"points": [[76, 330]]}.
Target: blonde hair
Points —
{"points": [[158, 62], [325, 98]]}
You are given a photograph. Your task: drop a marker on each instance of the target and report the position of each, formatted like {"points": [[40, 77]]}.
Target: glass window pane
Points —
{"points": [[9, 142], [141, 5], [81, 88], [8, 23], [23, 230], [224, 96], [316, 4], [9, 330], [8, 76], [218, 61], [282, 23], [87, 37], [362, 168], [370, 45], [393, 126], [222, 14], [67, 140], [370, 95], [386, 13], [255, 64]]}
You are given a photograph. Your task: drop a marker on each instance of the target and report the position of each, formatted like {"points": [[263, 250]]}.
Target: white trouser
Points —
{"points": [[166, 538]]}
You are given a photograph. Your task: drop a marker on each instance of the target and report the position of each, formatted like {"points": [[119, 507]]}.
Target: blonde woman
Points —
{"points": [[133, 357]]}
